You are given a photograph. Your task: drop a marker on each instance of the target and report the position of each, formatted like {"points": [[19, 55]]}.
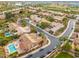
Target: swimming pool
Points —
{"points": [[11, 48], [7, 34]]}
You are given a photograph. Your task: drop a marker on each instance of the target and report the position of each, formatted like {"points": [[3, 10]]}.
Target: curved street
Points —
{"points": [[70, 28], [54, 41], [51, 47]]}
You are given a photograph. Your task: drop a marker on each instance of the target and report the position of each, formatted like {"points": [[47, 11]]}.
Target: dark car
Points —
{"points": [[29, 56], [40, 49]]}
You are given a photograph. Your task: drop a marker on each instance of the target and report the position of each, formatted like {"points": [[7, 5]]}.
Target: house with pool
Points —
{"points": [[26, 41], [24, 44], [10, 49]]}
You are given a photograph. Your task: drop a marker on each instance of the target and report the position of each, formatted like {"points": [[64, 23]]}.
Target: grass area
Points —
{"points": [[67, 47], [60, 31], [49, 18], [7, 7], [5, 40], [64, 55], [13, 55], [68, 10]]}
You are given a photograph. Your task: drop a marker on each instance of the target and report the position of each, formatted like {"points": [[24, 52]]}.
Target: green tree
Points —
{"points": [[15, 36], [28, 14], [9, 16], [42, 35], [3, 42], [14, 55], [67, 47], [23, 22], [65, 21], [33, 29], [63, 38], [51, 32], [43, 25], [49, 18]]}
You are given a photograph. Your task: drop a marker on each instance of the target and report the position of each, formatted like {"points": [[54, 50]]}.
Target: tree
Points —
{"points": [[49, 18], [51, 32], [23, 22], [42, 35], [63, 38], [15, 36], [9, 16], [3, 42], [65, 21], [33, 29], [28, 14], [43, 25], [67, 47]]}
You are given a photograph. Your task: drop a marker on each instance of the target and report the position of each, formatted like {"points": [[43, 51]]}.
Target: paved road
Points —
{"points": [[70, 28], [54, 42], [51, 47]]}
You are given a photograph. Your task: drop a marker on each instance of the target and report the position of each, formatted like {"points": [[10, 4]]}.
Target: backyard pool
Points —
{"points": [[7, 34], [11, 48]]}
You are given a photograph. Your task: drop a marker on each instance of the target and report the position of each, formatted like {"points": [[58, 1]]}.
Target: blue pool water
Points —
{"points": [[12, 48], [7, 34]]}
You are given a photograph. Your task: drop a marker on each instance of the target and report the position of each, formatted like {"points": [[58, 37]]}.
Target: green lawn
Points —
{"points": [[67, 47], [59, 31], [64, 55], [4, 40], [61, 9]]}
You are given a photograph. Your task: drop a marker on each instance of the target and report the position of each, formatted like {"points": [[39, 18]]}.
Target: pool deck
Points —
{"points": [[7, 47]]}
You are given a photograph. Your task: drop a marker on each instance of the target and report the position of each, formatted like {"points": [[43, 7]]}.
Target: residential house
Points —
{"points": [[28, 42], [44, 13], [20, 30], [2, 16], [35, 18], [60, 18], [75, 39], [54, 27]]}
